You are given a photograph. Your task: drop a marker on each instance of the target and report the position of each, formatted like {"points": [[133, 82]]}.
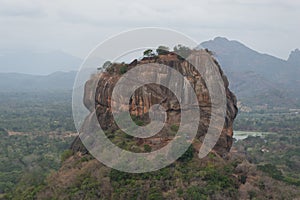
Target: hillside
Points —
{"points": [[256, 78], [269, 80], [17, 82]]}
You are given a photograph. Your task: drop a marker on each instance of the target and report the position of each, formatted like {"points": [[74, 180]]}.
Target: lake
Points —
{"points": [[241, 135]]}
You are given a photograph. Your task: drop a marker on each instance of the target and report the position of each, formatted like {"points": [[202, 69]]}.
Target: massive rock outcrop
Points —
{"points": [[148, 95]]}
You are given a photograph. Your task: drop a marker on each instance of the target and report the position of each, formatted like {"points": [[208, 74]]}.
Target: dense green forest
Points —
{"points": [[278, 155], [36, 111], [36, 129], [268, 120]]}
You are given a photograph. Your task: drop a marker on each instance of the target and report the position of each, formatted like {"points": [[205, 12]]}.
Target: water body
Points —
{"points": [[241, 135]]}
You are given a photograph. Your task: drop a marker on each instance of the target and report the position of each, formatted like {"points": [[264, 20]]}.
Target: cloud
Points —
{"points": [[76, 26], [20, 9]]}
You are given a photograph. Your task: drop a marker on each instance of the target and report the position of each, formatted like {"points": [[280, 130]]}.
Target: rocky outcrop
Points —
{"points": [[148, 95], [294, 57]]}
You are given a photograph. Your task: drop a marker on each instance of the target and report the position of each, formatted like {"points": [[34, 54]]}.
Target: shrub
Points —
{"points": [[182, 51], [180, 191], [149, 53], [188, 155], [271, 170], [195, 192], [243, 179], [147, 148], [252, 194], [174, 127], [66, 154], [123, 69], [155, 194], [3, 132], [105, 65], [162, 50], [137, 120]]}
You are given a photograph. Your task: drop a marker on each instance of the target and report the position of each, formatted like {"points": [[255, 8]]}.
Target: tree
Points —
{"points": [[182, 51], [105, 65], [149, 53], [162, 50]]}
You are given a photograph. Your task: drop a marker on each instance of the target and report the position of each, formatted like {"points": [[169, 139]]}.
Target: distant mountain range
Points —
{"points": [[17, 82], [256, 78]]}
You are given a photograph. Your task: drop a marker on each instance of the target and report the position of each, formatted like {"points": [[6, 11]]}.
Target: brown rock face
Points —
{"points": [[150, 94]]}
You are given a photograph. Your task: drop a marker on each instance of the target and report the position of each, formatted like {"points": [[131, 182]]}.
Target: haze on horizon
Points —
{"points": [[76, 27]]}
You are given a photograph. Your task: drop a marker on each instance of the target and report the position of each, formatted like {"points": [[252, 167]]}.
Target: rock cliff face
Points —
{"points": [[83, 177], [148, 95]]}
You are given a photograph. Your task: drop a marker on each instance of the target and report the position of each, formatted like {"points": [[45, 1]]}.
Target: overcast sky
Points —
{"points": [[76, 26]]}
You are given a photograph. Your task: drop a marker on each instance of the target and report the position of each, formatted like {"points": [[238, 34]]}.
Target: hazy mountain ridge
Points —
{"points": [[17, 82], [37, 62], [255, 77], [294, 57]]}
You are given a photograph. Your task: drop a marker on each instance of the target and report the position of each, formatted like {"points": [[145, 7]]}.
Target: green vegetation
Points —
{"points": [[174, 127], [115, 68], [66, 154], [147, 148], [182, 51], [36, 111], [267, 121], [188, 155], [155, 194], [105, 65], [162, 50], [35, 135], [211, 180], [30, 158], [139, 121], [35, 128], [276, 154], [3, 132], [271, 170], [123, 69], [148, 53]]}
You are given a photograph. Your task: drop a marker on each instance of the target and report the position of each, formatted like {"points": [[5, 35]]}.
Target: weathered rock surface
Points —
{"points": [[151, 94]]}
